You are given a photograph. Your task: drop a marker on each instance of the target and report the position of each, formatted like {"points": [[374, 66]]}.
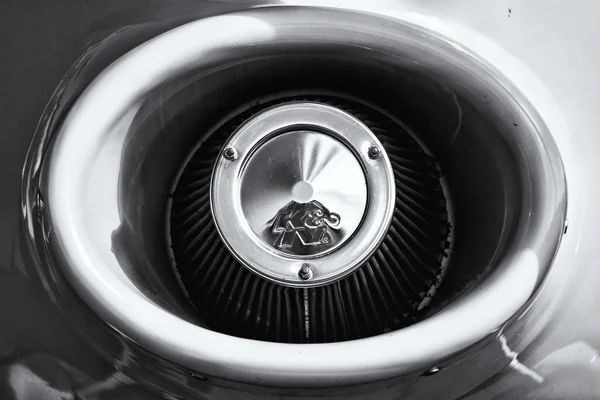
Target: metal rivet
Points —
{"points": [[199, 377], [431, 371], [305, 273], [374, 152], [230, 153]]}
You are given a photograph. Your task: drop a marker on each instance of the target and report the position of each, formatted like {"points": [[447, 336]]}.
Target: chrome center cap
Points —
{"points": [[303, 193], [298, 197]]}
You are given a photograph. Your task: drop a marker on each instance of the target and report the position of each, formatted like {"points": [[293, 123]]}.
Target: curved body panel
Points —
{"points": [[53, 345]]}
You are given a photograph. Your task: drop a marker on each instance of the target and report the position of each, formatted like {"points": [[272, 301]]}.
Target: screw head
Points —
{"points": [[230, 153], [305, 273], [431, 371], [374, 152]]}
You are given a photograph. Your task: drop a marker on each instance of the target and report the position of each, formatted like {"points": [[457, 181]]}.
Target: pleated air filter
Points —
{"points": [[309, 219]]}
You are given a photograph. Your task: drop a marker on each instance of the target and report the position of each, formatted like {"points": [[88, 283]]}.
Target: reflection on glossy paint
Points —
{"points": [[516, 365], [571, 372]]}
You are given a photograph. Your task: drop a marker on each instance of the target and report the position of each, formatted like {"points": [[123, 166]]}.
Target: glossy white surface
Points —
{"points": [[557, 41], [172, 337]]}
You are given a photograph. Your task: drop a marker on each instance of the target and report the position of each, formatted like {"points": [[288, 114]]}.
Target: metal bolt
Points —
{"points": [[305, 273], [230, 153], [431, 371], [374, 152]]}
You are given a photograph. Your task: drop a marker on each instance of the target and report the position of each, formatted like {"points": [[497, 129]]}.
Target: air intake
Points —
{"points": [[248, 193]]}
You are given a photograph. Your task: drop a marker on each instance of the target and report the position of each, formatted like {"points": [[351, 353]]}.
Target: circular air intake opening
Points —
{"points": [[440, 226], [404, 250]]}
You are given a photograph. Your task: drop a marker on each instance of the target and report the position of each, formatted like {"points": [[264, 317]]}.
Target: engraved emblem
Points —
{"points": [[303, 225]]}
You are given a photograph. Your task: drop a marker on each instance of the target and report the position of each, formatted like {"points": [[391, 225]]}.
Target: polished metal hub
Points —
{"points": [[302, 193]]}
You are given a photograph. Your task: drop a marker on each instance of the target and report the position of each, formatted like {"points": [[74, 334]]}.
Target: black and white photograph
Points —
{"points": [[299, 199]]}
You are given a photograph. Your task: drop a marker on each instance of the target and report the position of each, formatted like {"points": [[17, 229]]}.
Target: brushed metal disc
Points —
{"points": [[304, 193]]}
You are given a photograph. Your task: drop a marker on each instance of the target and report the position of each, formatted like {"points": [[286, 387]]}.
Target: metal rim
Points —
{"points": [[90, 266], [267, 261]]}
